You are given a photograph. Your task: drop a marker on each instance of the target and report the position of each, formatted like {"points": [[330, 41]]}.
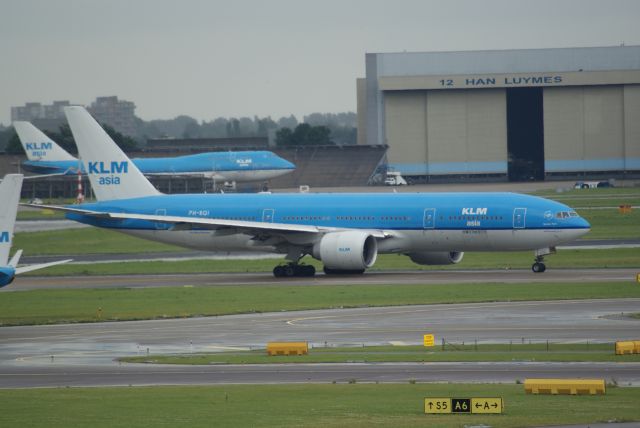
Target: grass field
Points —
{"points": [[577, 352], [69, 305], [339, 405], [89, 240], [39, 215], [605, 258], [603, 197]]}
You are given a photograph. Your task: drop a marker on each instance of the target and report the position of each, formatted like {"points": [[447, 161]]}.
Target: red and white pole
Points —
{"points": [[80, 197]]}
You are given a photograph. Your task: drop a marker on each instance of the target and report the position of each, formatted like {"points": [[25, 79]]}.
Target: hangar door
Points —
{"points": [[525, 134]]}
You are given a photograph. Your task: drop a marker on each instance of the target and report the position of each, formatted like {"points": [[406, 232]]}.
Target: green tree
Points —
{"points": [[319, 136], [284, 137], [304, 135], [126, 143], [14, 147]]}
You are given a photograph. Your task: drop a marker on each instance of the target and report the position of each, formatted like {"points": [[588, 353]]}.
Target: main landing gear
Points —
{"points": [[538, 266], [293, 270]]}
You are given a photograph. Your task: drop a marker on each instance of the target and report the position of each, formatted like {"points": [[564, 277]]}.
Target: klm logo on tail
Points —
{"points": [[39, 149], [4, 237], [108, 171]]}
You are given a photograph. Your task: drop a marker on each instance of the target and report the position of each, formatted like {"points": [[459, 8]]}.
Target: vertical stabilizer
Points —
{"points": [[9, 198], [111, 172], [38, 146]]}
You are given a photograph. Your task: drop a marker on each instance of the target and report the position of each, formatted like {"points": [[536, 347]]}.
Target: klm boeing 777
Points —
{"points": [[48, 158], [9, 198], [345, 231]]}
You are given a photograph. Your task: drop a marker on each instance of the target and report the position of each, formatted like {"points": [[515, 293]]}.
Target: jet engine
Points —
{"points": [[351, 250], [436, 257]]}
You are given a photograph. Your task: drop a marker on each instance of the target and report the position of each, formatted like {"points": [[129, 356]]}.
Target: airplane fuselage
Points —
{"points": [[415, 222], [224, 166]]}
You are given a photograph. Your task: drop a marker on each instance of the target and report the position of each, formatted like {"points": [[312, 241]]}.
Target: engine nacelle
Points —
{"points": [[349, 250], [436, 257]]}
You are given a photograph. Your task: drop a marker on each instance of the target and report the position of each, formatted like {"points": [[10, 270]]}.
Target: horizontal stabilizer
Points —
{"points": [[30, 268], [9, 197], [15, 259]]}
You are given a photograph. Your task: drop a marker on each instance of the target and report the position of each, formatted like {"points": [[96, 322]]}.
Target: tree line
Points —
{"points": [[315, 129]]}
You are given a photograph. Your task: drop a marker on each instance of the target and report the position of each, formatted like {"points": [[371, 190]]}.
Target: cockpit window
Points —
{"points": [[566, 214]]}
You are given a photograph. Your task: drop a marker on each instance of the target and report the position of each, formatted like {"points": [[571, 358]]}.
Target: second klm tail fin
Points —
{"points": [[38, 146], [111, 172]]}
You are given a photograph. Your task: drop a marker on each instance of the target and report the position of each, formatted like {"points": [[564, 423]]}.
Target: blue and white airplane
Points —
{"points": [[48, 158], [9, 198], [345, 231]]}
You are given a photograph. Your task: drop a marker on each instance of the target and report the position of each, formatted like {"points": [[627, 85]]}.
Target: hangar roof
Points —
{"points": [[506, 61]]}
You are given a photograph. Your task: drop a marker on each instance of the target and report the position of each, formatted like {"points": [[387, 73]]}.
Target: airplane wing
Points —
{"points": [[186, 223], [30, 268]]}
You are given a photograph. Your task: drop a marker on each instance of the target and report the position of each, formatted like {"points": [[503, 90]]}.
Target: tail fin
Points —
{"points": [[9, 198], [38, 146], [111, 172]]}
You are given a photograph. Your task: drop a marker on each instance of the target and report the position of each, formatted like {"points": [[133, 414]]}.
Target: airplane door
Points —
{"points": [[519, 218], [429, 219], [161, 226], [267, 215]]}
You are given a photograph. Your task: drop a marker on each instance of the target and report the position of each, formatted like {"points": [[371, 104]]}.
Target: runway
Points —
{"points": [[223, 255], [511, 276], [83, 354], [127, 375]]}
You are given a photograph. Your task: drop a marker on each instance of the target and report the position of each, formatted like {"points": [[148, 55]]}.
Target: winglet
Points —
{"points": [[38, 146], [111, 172]]}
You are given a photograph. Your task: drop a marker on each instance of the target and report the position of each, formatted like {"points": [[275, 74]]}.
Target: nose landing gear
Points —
{"points": [[538, 266]]}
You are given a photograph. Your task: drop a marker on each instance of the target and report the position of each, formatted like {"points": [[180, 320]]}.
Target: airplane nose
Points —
{"points": [[583, 224], [287, 165]]}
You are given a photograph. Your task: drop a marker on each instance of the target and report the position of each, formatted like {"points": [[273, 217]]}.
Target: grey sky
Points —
{"points": [[244, 58]]}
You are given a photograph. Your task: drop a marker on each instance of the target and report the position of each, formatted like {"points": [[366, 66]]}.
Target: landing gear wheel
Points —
{"points": [[306, 270], [278, 271], [293, 270], [538, 267], [289, 270]]}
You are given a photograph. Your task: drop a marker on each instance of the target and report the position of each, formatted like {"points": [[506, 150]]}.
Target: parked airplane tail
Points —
{"points": [[111, 172], [38, 146], [9, 197]]}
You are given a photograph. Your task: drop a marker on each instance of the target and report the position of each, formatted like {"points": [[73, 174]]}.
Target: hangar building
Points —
{"points": [[531, 114]]}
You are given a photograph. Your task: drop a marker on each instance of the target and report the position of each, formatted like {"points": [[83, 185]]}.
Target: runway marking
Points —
{"points": [[272, 317], [448, 307]]}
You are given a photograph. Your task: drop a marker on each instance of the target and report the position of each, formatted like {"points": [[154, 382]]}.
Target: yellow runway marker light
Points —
{"points": [[429, 340]]}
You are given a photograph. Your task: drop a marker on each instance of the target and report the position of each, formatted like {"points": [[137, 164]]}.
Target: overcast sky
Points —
{"points": [[228, 58]]}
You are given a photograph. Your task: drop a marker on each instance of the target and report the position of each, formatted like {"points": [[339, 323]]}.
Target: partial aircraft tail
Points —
{"points": [[9, 197], [111, 172], [38, 146]]}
